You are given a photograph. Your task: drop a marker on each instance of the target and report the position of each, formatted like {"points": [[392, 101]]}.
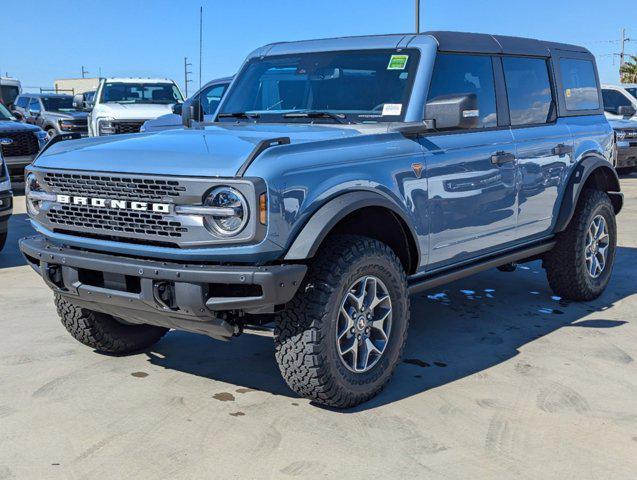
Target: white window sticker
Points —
{"points": [[471, 113], [392, 109]]}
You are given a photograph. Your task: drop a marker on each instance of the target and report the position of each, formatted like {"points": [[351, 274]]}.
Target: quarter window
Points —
{"points": [[458, 75], [528, 90], [580, 84], [34, 105]]}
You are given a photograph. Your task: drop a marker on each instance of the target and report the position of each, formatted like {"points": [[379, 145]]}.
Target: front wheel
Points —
{"points": [[3, 240], [341, 338], [580, 265]]}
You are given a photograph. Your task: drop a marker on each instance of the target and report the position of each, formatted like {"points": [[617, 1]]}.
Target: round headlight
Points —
{"points": [[230, 223], [32, 185]]}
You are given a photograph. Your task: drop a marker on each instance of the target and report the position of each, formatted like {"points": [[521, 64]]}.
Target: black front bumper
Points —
{"points": [[6, 208], [199, 298], [627, 156]]}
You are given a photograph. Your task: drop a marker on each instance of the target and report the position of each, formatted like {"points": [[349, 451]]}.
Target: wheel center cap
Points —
{"points": [[361, 323]]}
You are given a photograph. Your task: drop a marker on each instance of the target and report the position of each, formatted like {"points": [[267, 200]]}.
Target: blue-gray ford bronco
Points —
{"points": [[339, 177]]}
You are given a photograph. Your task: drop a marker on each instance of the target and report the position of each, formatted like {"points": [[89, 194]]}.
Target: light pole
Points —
{"points": [[417, 16]]}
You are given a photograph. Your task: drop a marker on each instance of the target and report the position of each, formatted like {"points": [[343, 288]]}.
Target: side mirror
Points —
{"points": [[34, 113], [78, 101], [178, 108], [453, 112], [192, 113], [626, 111]]}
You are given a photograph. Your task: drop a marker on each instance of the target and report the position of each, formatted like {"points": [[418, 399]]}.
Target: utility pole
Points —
{"points": [[200, 41], [186, 73], [84, 71], [417, 16], [623, 42]]}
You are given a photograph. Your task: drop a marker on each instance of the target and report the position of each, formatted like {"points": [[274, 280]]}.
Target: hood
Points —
{"points": [[14, 126], [621, 124], [214, 151], [132, 111], [67, 115], [168, 120]]}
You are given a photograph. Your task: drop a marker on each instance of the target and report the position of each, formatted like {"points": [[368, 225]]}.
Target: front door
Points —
{"points": [[472, 172]]}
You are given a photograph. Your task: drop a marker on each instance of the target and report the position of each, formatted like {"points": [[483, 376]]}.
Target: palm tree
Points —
{"points": [[628, 70]]}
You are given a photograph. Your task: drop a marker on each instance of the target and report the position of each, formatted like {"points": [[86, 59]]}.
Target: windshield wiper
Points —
{"points": [[339, 117], [238, 115]]}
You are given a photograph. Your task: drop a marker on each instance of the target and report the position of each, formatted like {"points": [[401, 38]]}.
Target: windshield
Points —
{"points": [[8, 94], [355, 86], [632, 91], [5, 114], [160, 93], [58, 104]]}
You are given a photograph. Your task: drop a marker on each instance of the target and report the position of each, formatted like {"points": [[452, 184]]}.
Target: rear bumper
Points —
{"points": [[199, 298]]}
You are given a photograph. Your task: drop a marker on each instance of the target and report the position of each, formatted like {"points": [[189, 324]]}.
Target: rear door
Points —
{"points": [[544, 146], [471, 172]]}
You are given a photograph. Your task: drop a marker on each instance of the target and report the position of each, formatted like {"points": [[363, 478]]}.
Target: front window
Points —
{"points": [[58, 104], [348, 86], [124, 92]]}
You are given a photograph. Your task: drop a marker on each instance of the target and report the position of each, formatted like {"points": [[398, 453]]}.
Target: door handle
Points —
{"points": [[562, 149], [499, 158]]}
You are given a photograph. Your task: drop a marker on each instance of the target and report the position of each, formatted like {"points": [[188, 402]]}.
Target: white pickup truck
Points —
{"points": [[122, 105]]}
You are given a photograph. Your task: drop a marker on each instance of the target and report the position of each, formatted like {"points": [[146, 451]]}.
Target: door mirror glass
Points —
{"points": [[78, 101], [177, 108], [626, 111], [453, 112]]}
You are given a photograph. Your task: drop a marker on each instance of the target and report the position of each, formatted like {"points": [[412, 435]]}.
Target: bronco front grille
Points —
{"points": [[112, 221], [120, 187], [24, 143]]}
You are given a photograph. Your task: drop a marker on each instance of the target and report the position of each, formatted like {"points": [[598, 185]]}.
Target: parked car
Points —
{"points": [[205, 101], [19, 144], [122, 105], [626, 134], [619, 103], [6, 198], [53, 112], [10, 88], [310, 200], [631, 88]]}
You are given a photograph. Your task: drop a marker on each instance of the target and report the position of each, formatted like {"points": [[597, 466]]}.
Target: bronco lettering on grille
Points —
{"points": [[114, 204]]}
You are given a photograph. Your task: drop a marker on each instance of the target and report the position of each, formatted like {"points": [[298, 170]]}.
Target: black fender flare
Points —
{"points": [[311, 236], [582, 172]]}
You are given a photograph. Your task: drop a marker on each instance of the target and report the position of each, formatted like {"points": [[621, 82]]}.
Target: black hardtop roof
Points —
{"points": [[498, 44]]}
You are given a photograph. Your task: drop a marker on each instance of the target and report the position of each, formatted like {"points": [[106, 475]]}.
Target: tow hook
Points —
{"points": [[164, 295]]}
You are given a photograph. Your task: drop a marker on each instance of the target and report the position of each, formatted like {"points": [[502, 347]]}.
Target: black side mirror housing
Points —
{"points": [[626, 111], [453, 112], [178, 108], [191, 113], [78, 101]]}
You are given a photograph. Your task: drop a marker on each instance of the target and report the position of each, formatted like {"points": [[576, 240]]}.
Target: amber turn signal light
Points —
{"points": [[263, 208]]}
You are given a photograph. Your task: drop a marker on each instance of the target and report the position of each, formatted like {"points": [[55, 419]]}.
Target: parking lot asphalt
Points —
{"points": [[500, 380]]}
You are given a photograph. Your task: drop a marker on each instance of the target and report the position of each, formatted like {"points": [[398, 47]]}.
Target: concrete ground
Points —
{"points": [[500, 380]]}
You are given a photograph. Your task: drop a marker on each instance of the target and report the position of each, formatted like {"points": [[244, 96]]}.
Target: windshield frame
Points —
{"points": [[366, 117], [142, 85]]}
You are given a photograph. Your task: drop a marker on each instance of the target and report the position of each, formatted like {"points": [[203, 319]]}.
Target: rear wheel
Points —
{"points": [[103, 332], [580, 265], [341, 338], [3, 240]]}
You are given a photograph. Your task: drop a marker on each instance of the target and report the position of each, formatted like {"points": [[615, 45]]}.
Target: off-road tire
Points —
{"points": [[305, 341], [3, 240], [103, 333], [566, 264]]}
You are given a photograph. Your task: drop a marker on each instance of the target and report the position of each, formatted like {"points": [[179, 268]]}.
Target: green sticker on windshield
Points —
{"points": [[397, 62]]}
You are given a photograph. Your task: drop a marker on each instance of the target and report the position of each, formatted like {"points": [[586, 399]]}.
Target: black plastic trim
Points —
{"points": [[258, 150]]}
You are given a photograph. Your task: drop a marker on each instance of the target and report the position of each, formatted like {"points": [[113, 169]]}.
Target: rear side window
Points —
{"points": [[528, 90], [457, 75], [580, 84]]}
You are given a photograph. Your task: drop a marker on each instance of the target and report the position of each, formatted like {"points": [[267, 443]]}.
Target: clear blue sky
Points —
{"points": [[43, 41]]}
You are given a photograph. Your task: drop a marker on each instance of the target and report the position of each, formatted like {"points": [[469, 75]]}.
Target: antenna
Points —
{"points": [[417, 16], [200, 41]]}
